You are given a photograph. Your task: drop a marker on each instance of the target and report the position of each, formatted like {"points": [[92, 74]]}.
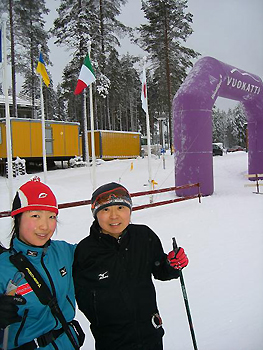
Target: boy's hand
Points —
{"points": [[177, 260]]}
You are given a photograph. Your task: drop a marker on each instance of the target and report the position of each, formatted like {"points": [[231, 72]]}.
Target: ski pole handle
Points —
{"points": [[11, 288], [175, 246], [13, 283]]}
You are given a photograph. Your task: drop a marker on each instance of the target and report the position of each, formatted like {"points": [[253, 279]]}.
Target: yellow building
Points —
{"points": [[62, 139], [116, 144]]}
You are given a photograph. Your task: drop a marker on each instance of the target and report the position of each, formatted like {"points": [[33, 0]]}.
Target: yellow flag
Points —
{"points": [[41, 69], [154, 183]]}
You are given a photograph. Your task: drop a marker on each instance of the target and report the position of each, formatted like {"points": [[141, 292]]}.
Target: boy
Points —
{"points": [[113, 270]]}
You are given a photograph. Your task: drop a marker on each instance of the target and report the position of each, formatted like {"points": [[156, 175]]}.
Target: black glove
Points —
{"points": [[9, 308]]}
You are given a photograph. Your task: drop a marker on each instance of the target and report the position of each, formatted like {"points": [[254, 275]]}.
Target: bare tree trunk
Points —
{"points": [[131, 112], [108, 112], [33, 86], [105, 115], [13, 59], [84, 123], [113, 113], [96, 112], [102, 33], [136, 116], [127, 120], [168, 80], [120, 118]]}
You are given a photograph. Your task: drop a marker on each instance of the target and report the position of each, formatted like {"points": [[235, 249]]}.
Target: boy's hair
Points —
{"points": [[110, 194]]}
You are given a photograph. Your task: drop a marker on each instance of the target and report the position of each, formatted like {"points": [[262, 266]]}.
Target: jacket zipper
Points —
{"points": [[21, 327], [51, 282], [48, 275], [95, 306], [68, 299]]}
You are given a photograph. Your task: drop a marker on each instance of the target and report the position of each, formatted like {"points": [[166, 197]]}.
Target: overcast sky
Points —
{"points": [[228, 30]]}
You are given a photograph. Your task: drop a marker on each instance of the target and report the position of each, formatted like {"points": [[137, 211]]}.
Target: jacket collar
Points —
{"points": [[95, 231], [29, 251]]}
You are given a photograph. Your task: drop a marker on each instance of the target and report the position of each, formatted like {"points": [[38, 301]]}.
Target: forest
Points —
{"points": [[116, 91]]}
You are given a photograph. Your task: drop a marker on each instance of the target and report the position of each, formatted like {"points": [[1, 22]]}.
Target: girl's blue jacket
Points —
{"points": [[37, 318]]}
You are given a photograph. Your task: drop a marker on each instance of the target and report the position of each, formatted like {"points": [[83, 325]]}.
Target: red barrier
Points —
{"points": [[5, 214], [144, 206], [137, 194]]}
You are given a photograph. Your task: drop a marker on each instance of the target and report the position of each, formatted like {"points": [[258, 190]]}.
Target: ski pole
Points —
{"points": [[11, 290], [175, 249]]}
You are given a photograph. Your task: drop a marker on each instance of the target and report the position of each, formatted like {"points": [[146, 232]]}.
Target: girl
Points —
{"points": [[31, 324]]}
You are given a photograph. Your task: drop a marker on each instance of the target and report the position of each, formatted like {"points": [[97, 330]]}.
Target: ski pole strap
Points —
{"points": [[42, 291]]}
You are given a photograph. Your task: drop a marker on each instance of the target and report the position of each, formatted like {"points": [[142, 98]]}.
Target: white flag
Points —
{"points": [[144, 92]]}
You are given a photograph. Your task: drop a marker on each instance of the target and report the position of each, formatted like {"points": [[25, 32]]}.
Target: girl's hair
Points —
{"points": [[15, 230]]}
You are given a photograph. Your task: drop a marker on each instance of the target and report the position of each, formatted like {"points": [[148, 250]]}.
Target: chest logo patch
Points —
{"points": [[31, 253], [103, 275], [63, 271]]}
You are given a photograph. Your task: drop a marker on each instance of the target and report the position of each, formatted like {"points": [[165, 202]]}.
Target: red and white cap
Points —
{"points": [[34, 195]]}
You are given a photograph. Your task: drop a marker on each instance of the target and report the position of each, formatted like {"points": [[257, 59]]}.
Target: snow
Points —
{"points": [[223, 238]]}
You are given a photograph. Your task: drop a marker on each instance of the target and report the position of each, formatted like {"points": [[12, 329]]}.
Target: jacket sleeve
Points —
{"points": [[79, 275], [161, 270]]}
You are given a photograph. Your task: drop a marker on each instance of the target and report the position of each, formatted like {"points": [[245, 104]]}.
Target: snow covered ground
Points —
{"points": [[223, 237]]}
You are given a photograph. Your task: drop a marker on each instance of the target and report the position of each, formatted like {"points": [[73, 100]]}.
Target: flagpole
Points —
{"points": [[148, 130], [43, 126], [85, 127], [41, 70], [44, 155], [94, 181], [86, 77], [7, 113]]}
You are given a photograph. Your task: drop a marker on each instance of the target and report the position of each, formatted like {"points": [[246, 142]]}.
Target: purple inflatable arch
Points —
{"points": [[192, 107]]}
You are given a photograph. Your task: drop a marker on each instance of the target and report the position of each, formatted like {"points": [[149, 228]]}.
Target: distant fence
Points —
{"points": [[5, 214], [256, 178]]}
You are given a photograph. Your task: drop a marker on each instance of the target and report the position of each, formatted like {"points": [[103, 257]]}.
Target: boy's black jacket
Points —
{"points": [[114, 288]]}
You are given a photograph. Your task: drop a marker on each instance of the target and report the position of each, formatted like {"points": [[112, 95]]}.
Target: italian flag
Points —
{"points": [[86, 76]]}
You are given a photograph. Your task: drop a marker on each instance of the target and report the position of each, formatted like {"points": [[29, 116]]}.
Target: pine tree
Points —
{"points": [[237, 126], [60, 105], [219, 126], [123, 90], [94, 21], [72, 102], [12, 54], [230, 128], [168, 26], [130, 86], [29, 34], [26, 32]]}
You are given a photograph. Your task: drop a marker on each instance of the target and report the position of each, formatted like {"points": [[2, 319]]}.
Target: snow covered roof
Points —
{"points": [[47, 121], [20, 102]]}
